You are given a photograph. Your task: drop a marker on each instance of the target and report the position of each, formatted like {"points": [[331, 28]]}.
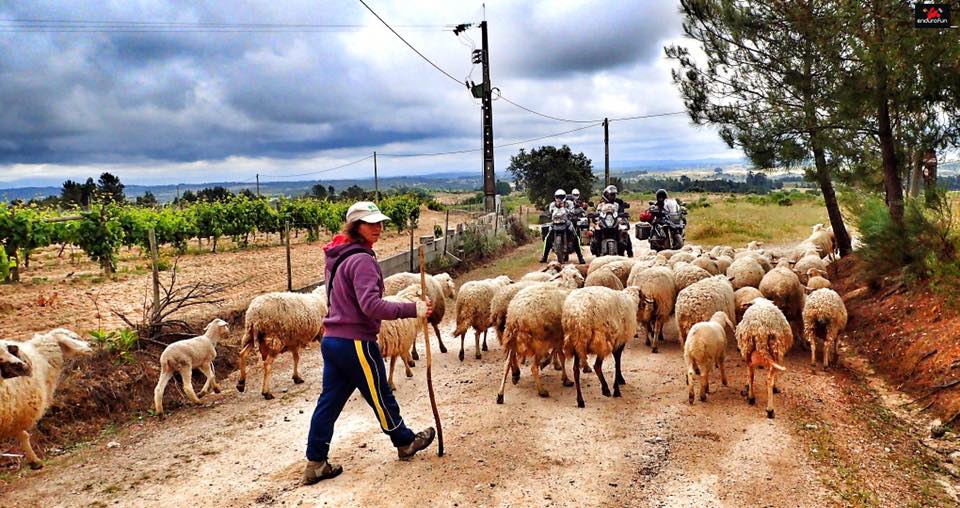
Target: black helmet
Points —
{"points": [[610, 193], [661, 194]]}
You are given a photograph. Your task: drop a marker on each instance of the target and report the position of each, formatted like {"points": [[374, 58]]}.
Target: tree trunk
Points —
{"points": [[915, 173], [15, 267], [892, 185], [930, 175], [830, 200]]}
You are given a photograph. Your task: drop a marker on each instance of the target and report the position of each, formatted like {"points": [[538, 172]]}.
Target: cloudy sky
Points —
{"points": [[187, 91]]}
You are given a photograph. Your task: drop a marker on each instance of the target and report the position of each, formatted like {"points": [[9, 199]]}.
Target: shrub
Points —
{"points": [[437, 231], [478, 242], [436, 206]]}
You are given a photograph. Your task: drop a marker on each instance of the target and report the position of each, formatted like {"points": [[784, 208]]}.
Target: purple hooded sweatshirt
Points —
{"points": [[356, 304]]}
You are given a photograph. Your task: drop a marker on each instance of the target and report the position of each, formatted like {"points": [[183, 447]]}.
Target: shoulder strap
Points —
{"points": [[333, 270]]}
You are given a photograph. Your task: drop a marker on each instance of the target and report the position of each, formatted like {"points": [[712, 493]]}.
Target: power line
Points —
{"points": [[415, 50], [551, 117], [82, 26], [320, 171], [471, 150]]}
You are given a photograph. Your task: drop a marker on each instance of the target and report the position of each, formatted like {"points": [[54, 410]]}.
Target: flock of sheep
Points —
{"points": [[760, 299]]}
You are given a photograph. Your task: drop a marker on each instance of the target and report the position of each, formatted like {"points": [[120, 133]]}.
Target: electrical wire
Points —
{"points": [[320, 171], [471, 150], [82, 26]]}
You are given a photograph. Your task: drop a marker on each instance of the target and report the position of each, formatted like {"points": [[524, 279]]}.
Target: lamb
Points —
{"points": [[783, 288], [599, 321], [701, 300], [723, 263], [534, 328], [439, 287], [707, 264], [824, 317], [807, 263], [545, 274], [10, 363], [745, 271], [659, 290], [686, 274], [743, 297], [184, 356], [706, 346], [763, 337], [817, 281], [397, 337], [473, 309], [279, 322], [605, 277], [24, 399]]}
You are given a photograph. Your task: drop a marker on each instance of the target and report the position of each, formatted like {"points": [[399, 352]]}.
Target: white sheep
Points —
{"points": [[599, 321], [473, 309], [598, 262], [816, 282], [184, 356], [745, 271], [743, 297], [500, 302], [659, 290], [699, 301], [544, 274], [686, 274], [10, 363], [24, 399], [807, 263], [534, 329], [763, 337], [605, 277], [723, 263], [824, 317], [439, 288], [681, 257], [707, 264], [397, 336], [783, 288], [706, 346], [278, 322]]}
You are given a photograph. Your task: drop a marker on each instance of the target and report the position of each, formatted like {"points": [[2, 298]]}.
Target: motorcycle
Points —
{"points": [[666, 228], [610, 235], [563, 235], [579, 218]]}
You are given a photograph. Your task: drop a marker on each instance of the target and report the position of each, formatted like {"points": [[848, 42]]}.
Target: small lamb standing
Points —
{"points": [[763, 337], [473, 310], [706, 346], [599, 321], [397, 336], [824, 317], [24, 399], [184, 356]]}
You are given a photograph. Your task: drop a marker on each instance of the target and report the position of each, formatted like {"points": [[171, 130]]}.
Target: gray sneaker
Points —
{"points": [[420, 441], [316, 471]]}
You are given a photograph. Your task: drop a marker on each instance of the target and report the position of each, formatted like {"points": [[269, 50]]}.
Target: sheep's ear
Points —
{"points": [[70, 343], [13, 349]]}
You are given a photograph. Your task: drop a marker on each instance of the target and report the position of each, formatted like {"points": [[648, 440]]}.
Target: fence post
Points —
{"points": [[446, 232], [410, 223], [154, 256], [286, 234]]}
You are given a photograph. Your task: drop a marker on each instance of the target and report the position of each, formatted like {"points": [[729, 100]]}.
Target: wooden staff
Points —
{"points": [[426, 336]]}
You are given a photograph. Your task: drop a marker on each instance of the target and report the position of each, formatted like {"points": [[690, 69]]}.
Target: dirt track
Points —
{"points": [[648, 448]]}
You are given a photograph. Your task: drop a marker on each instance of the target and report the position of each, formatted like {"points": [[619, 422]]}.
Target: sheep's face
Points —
{"points": [[410, 293], [11, 365], [218, 327], [648, 306], [447, 284]]}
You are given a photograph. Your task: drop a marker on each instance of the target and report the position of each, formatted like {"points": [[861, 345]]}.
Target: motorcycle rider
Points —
{"points": [[574, 197], [560, 202], [666, 205], [610, 196]]}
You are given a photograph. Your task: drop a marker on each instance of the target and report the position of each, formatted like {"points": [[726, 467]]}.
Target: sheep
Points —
{"points": [[668, 253], [534, 328], [821, 239], [686, 274], [10, 363], [397, 337], [706, 346], [723, 263], [599, 321], [701, 300], [24, 399], [499, 303], [184, 356], [681, 257], [816, 282], [743, 297], [473, 309], [545, 274], [279, 322], [619, 264], [707, 264], [605, 277], [806, 263], [783, 288], [659, 289], [824, 317], [745, 271], [596, 263], [763, 337], [761, 258], [439, 287]]}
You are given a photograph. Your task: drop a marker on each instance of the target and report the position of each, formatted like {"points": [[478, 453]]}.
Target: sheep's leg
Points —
{"points": [[476, 338], [646, 338], [689, 377], [507, 365], [829, 348], [296, 365], [704, 382], [242, 382], [598, 368], [576, 379], [535, 370], [515, 366], [393, 363], [165, 376], [723, 374], [436, 330], [563, 369], [771, 381], [557, 365], [413, 351], [208, 384], [813, 353], [267, 370], [617, 353], [462, 337], [748, 390], [34, 461], [187, 378], [484, 342], [213, 375], [657, 329], [405, 356]]}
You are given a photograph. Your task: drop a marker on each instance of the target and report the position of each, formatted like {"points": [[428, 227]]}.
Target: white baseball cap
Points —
{"points": [[366, 211]]}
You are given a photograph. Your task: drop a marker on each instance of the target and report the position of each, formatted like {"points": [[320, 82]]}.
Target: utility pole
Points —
{"points": [[606, 152], [258, 185], [376, 180], [489, 181], [179, 203]]}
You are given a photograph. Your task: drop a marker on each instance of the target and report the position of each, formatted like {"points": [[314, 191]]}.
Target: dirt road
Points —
{"points": [[828, 446]]}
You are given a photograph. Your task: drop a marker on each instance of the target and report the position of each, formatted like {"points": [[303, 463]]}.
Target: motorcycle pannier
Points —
{"points": [[643, 230]]}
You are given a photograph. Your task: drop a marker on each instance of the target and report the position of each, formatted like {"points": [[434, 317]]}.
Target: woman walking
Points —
{"points": [[351, 357]]}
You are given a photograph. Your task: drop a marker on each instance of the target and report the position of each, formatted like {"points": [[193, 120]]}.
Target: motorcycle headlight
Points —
{"points": [[609, 221]]}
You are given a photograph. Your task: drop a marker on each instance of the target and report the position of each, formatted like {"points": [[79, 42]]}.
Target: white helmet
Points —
{"points": [[575, 192], [560, 194]]}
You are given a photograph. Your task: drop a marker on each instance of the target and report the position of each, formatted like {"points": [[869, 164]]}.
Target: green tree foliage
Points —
{"points": [[543, 170], [503, 188], [100, 235], [217, 193], [148, 199], [318, 191], [109, 189]]}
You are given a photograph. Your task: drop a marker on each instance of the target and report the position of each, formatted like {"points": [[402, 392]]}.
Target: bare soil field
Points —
{"points": [[835, 442]]}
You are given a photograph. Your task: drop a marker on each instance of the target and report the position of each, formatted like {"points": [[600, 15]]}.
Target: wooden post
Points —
{"points": [[446, 231], [411, 244], [606, 152], [426, 340], [376, 180], [286, 234], [154, 256]]}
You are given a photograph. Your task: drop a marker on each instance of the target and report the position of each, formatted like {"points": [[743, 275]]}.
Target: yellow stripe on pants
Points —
{"points": [[367, 373]]}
